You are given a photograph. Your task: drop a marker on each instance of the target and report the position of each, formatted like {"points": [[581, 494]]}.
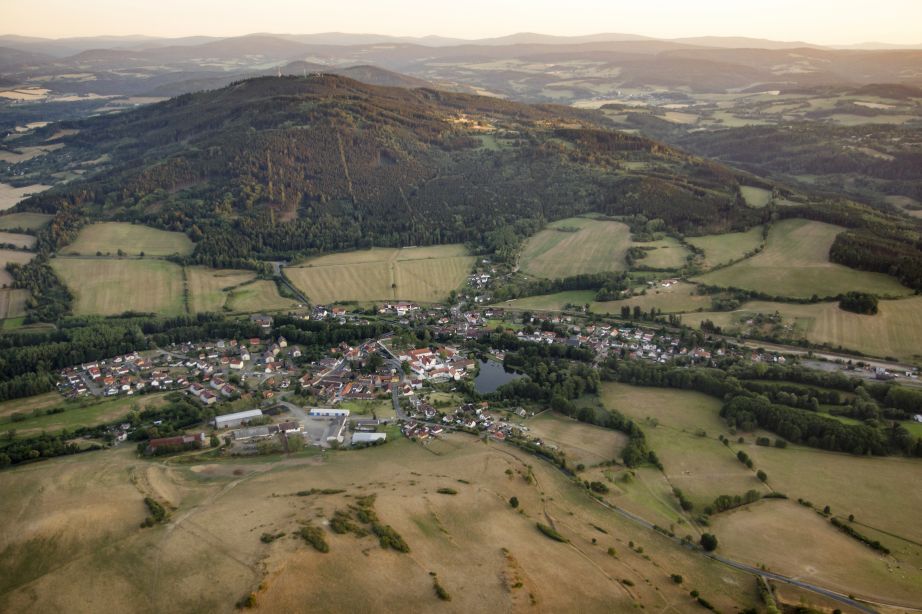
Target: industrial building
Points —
{"points": [[236, 419]]}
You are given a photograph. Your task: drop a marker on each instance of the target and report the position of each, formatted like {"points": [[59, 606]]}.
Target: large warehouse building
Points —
{"points": [[231, 420]]}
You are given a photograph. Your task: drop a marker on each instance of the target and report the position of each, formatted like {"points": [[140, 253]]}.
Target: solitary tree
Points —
{"points": [[761, 475], [514, 502], [708, 542]]}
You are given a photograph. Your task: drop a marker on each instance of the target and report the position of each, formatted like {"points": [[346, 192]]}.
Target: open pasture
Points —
{"points": [[794, 540], [665, 253], [88, 412], [424, 274], [132, 239], [582, 443], [576, 245], [721, 249], [552, 302], [76, 515], [31, 221], [795, 263], [112, 286], [896, 330]]}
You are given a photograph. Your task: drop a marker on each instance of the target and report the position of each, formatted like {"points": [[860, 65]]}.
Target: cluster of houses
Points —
{"points": [[443, 364], [126, 374]]}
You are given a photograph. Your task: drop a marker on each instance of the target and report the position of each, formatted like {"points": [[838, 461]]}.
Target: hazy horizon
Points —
{"points": [[822, 22]]}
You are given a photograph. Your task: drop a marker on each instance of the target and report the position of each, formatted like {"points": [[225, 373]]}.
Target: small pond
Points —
{"points": [[492, 375]]}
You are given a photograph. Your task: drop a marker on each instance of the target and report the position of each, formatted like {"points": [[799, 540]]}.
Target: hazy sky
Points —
{"points": [[818, 21]]}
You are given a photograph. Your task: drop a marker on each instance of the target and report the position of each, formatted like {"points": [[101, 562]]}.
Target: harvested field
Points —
{"points": [[260, 295], [111, 286], [552, 302], [795, 263], [209, 288], [666, 253], [18, 240], [10, 196], [424, 274], [132, 239], [576, 245]]}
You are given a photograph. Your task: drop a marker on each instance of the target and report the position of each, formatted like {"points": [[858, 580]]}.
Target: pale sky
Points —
{"points": [[816, 21]]}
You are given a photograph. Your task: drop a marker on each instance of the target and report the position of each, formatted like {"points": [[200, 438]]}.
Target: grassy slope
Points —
{"points": [[109, 237], [24, 220], [598, 246], [720, 249], [896, 330], [795, 262]]}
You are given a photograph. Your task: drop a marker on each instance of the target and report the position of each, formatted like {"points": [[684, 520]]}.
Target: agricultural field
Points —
{"points": [[423, 274], [112, 286], [795, 263], [11, 255], [18, 240], [677, 298], [665, 253], [756, 198], [29, 404], [83, 515], [209, 288], [10, 196], [581, 443], [132, 239], [576, 245], [31, 221], [13, 303], [88, 412], [259, 295], [681, 427], [896, 330], [551, 302], [721, 249]]}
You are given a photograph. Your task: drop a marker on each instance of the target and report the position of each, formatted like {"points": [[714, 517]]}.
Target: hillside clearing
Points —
{"points": [[677, 298], [13, 303], [111, 286], [576, 245], [209, 288], [17, 240], [795, 263], [721, 249], [132, 239], [756, 197], [260, 295], [8, 256], [425, 274], [11, 196]]}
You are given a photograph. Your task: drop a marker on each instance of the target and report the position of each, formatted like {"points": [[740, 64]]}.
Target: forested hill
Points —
{"points": [[270, 167]]}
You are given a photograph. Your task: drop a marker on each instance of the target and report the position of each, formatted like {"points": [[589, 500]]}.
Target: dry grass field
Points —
{"points": [[11, 255], [721, 249], [75, 414], [582, 443], [896, 330], [13, 303], [19, 240], [771, 532], [598, 246], [132, 239], [10, 196], [110, 286], [24, 220], [423, 274], [78, 517], [698, 464], [552, 302], [795, 263]]}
